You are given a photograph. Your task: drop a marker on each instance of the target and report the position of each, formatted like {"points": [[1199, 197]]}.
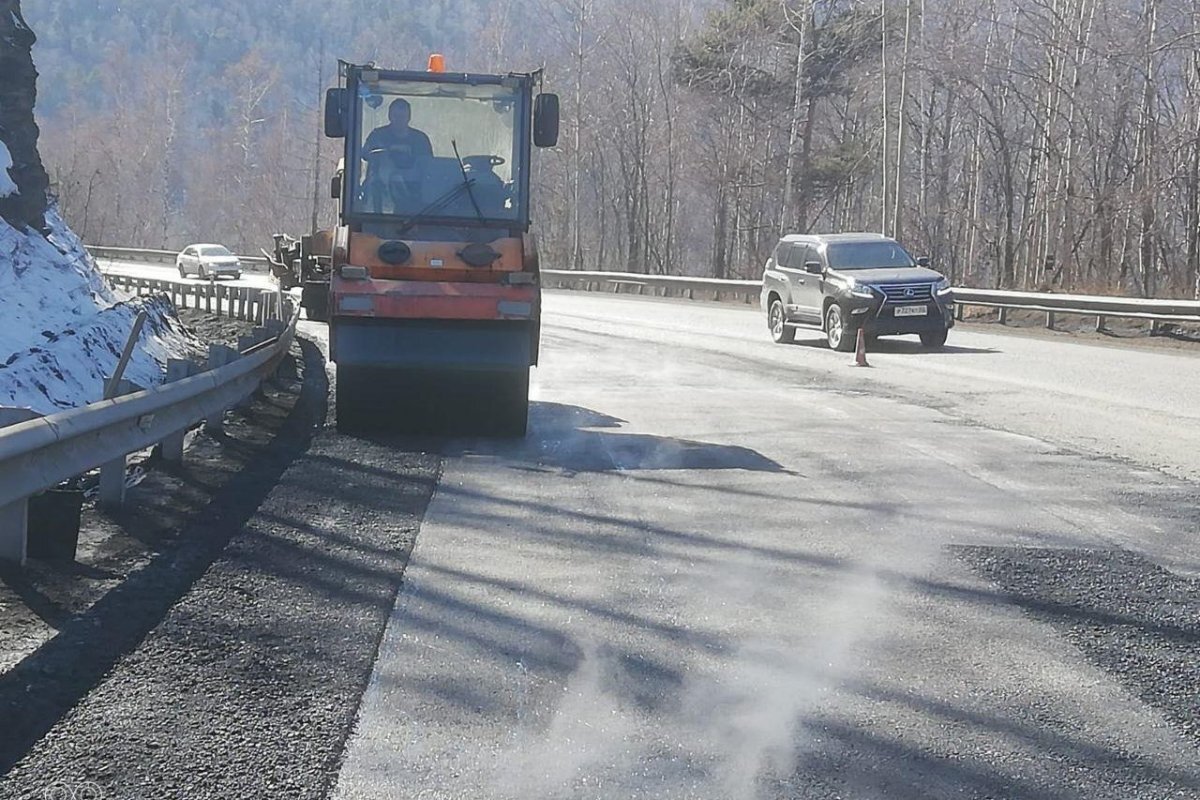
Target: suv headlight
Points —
{"points": [[863, 290], [942, 286]]}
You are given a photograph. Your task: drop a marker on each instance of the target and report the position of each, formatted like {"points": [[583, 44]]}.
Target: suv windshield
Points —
{"points": [[412, 134], [868, 255]]}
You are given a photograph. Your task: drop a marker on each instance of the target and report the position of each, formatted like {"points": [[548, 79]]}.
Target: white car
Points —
{"points": [[208, 261]]}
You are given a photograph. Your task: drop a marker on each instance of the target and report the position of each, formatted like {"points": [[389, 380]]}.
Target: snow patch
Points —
{"points": [[69, 370], [63, 328], [7, 187]]}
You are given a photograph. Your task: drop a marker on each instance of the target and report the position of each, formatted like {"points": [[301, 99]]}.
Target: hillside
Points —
{"points": [[174, 122], [204, 39]]}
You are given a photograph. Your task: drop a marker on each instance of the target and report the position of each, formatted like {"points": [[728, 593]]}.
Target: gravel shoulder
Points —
{"points": [[1128, 616], [230, 663]]}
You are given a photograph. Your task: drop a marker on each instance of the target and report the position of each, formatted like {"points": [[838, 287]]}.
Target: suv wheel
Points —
{"points": [[837, 331], [934, 339], [781, 333]]}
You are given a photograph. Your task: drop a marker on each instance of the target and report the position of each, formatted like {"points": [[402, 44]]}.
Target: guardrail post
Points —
{"points": [[1050, 320], [14, 517], [208, 298], [244, 343], [1003, 315], [172, 446], [1155, 330], [14, 531], [1100, 324], [112, 473], [257, 336], [218, 356], [958, 311]]}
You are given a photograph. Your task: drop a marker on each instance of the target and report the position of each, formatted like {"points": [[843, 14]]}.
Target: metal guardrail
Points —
{"points": [[39, 454], [248, 303], [661, 285], [1101, 307]]}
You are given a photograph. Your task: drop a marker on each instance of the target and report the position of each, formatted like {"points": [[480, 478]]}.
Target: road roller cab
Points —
{"points": [[430, 283]]}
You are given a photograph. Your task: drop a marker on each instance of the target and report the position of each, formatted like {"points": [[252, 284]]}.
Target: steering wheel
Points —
{"points": [[483, 163], [400, 155]]}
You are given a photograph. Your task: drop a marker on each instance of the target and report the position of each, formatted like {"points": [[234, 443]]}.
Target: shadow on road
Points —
{"points": [[575, 439]]}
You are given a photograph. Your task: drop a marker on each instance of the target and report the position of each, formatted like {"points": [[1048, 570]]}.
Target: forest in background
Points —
{"points": [[1044, 144]]}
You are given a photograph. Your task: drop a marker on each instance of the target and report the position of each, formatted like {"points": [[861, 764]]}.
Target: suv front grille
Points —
{"points": [[902, 293]]}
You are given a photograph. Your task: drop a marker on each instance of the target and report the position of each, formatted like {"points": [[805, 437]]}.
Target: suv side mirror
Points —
{"points": [[923, 261], [335, 113], [814, 268], [545, 120]]}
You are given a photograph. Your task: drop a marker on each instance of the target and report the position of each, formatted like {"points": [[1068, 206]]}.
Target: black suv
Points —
{"points": [[845, 281]]}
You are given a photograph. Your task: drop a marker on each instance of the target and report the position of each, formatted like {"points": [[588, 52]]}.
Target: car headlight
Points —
{"points": [[862, 290], [942, 286]]}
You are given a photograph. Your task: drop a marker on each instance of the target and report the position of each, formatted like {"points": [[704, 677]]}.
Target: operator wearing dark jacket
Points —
{"points": [[403, 144]]}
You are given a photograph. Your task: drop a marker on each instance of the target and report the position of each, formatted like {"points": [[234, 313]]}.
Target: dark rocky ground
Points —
{"points": [[18, 129]]}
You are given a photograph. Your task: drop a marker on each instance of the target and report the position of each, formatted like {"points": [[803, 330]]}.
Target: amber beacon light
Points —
{"points": [[437, 63]]}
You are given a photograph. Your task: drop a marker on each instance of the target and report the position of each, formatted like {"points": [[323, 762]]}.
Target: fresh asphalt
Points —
{"points": [[723, 568]]}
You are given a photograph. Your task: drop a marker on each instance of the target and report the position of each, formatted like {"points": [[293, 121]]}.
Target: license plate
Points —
{"points": [[911, 311]]}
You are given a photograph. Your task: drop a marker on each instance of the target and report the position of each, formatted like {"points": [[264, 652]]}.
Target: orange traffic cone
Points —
{"points": [[860, 350]]}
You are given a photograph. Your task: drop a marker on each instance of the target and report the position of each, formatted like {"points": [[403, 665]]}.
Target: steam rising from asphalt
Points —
{"points": [[736, 724], [588, 730], [733, 719]]}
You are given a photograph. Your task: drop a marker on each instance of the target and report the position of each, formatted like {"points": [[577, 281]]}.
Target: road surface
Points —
{"points": [[723, 568]]}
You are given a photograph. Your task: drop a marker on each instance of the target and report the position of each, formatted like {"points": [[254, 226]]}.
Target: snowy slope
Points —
{"points": [[7, 187], [62, 327]]}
